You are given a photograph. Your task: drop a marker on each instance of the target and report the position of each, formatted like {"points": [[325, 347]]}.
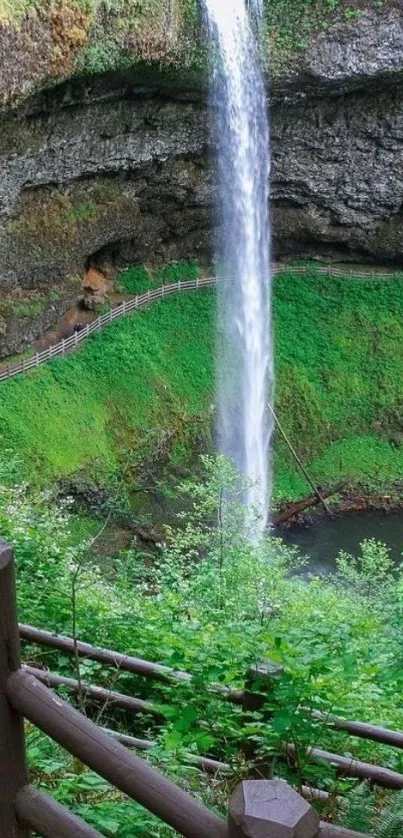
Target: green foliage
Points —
{"points": [[155, 35], [137, 388], [82, 211], [390, 823], [102, 57], [214, 604], [362, 811], [91, 797], [33, 305], [359, 808], [370, 574], [136, 279]]}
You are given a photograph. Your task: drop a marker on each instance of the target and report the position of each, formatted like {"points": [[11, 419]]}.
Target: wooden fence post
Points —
{"points": [[270, 809], [49, 818], [13, 772], [259, 684]]}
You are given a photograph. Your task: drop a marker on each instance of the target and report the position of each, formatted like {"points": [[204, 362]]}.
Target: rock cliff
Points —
{"points": [[114, 166]]}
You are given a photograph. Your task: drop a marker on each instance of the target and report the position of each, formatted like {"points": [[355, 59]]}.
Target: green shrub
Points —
{"points": [[213, 604]]}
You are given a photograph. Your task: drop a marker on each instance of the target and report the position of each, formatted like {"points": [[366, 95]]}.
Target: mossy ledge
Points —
{"points": [[47, 41]]}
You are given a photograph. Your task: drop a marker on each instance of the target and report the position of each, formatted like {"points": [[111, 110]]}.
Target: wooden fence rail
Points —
{"points": [[111, 760], [49, 818], [251, 698], [142, 300], [157, 671], [271, 807]]}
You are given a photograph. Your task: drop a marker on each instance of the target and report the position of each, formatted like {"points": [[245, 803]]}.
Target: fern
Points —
{"points": [[361, 813], [389, 823], [359, 808]]}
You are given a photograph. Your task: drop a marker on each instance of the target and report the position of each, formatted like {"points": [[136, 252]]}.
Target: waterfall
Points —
{"points": [[241, 135], [256, 7]]}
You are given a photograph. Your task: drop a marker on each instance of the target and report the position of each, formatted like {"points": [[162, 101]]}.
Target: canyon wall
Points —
{"points": [[118, 167]]}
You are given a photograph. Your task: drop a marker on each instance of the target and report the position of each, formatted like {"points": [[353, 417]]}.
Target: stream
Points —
{"points": [[323, 539]]}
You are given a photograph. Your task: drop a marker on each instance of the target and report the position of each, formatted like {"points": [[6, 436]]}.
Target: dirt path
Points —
{"points": [[64, 328], [74, 315]]}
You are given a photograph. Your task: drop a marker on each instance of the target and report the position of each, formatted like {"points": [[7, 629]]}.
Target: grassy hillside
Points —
{"points": [[145, 381], [124, 390], [339, 376]]}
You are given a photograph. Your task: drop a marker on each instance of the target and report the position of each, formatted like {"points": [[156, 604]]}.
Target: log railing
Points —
{"points": [[247, 698], [271, 806], [157, 671], [72, 343]]}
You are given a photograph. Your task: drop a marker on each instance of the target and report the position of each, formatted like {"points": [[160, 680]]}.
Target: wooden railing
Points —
{"points": [[142, 300], [127, 307], [250, 698], [271, 806]]}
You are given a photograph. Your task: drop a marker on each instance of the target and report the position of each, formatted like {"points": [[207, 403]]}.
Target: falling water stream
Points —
{"points": [[241, 135]]}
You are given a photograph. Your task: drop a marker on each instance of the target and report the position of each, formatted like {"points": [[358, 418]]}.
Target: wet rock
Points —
{"points": [[24, 316], [368, 47]]}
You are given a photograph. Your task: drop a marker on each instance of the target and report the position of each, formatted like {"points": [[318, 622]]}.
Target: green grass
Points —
{"points": [[138, 278], [149, 372], [337, 355], [339, 378], [339, 388]]}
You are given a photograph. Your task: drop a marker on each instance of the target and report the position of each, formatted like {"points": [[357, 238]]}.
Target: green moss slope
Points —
{"points": [[339, 389]]}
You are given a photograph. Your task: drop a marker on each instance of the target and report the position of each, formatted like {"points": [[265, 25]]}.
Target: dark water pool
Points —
{"points": [[325, 537]]}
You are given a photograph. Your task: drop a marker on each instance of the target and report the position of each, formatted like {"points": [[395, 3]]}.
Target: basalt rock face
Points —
{"points": [[79, 177], [337, 184], [111, 168], [86, 177]]}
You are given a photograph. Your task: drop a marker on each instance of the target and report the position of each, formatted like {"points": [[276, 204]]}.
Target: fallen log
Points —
{"points": [[317, 490], [305, 503]]}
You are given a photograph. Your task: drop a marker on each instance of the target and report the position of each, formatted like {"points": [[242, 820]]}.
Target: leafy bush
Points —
{"points": [[213, 603]]}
